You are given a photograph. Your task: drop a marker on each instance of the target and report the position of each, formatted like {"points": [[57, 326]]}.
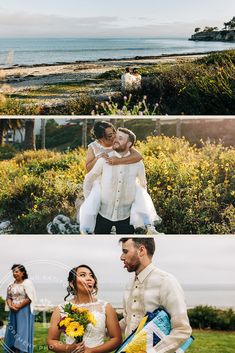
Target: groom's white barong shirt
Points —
{"points": [[118, 186], [149, 290]]}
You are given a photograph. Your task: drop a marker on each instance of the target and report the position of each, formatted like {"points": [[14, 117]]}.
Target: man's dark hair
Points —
{"points": [[131, 135], [128, 69], [148, 243]]}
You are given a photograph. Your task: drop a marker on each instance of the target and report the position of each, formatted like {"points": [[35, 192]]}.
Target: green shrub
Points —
{"points": [[192, 188], [39, 186], [126, 106], [208, 317], [13, 106], [40, 316], [206, 86], [111, 74], [3, 313], [7, 152]]}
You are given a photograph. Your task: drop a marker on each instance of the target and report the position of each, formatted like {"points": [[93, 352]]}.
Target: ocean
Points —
{"points": [[32, 51], [221, 296]]}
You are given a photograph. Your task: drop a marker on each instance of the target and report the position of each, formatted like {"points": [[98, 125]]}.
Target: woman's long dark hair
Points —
{"points": [[98, 130], [22, 269], [72, 279]]}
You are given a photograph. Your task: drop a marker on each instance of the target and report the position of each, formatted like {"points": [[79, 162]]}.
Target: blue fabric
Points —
{"points": [[161, 319], [20, 330]]}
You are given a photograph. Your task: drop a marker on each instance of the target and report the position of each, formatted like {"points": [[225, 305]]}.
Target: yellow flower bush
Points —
{"points": [[192, 188]]}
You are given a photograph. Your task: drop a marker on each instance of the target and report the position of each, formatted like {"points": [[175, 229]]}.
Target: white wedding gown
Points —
{"points": [[143, 212], [94, 335]]}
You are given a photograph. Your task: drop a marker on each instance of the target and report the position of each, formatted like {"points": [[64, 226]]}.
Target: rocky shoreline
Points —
{"points": [[51, 84], [217, 36], [120, 61]]}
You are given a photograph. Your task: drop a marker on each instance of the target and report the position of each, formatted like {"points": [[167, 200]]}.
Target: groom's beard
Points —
{"points": [[132, 267], [120, 148]]}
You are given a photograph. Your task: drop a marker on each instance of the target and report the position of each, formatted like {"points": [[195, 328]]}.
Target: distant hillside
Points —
{"points": [[221, 36]]}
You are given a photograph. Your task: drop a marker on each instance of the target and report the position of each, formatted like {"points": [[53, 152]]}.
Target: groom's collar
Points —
{"points": [[145, 272], [118, 155]]}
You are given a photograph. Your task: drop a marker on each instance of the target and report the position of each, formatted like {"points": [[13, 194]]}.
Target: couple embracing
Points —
{"points": [[115, 186], [150, 289]]}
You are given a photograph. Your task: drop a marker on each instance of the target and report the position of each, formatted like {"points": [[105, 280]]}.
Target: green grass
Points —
{"points": [[205, 341], [212, 342]]}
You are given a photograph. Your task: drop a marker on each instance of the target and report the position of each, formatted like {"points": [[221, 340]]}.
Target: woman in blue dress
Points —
{"points": [[21, 298]]}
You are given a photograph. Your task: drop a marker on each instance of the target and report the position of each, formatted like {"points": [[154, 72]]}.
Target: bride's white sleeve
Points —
{"points": [[93, 174], [141, 176]]}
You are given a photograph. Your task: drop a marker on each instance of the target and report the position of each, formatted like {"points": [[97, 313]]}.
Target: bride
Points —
{"points": [[143, 213], [104, 133], [83, 286]]}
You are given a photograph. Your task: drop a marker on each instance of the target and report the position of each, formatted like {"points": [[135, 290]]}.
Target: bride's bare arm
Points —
{"points": [[53, 338], [91, 159], [134, 157], [114, 332]]}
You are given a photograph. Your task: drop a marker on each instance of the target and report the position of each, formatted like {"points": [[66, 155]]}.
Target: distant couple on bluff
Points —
{"points": [[130, 80]]}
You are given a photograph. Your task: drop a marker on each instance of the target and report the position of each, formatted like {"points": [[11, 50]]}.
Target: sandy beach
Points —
{"points": [[35, 82]]}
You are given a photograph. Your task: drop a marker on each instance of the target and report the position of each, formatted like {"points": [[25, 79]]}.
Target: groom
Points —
{"points": [[118, 185], [150, 289]]}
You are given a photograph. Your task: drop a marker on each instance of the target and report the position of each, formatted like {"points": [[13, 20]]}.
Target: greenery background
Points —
{"points": [[193, 188]]}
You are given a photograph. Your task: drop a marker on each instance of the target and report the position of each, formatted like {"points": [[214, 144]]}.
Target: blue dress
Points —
{"points": [[20, 328]]}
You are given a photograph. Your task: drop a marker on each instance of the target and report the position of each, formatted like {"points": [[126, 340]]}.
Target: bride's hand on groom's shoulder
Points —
{"points": [[112, 160]]}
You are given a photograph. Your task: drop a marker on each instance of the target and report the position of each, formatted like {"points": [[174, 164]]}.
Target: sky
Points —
{"points": [[110, 18], [196, 261]]}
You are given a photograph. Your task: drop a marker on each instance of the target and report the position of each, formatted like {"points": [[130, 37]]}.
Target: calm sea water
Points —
{"points": [[31, 51], [219, 296]]}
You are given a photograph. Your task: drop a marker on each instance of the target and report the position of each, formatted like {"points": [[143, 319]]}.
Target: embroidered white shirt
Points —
{"points": [[127, 81], [149, 290], [118, 185]]}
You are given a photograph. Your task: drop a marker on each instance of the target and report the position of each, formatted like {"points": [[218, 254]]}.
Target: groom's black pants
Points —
{"points": [[104, 226]]}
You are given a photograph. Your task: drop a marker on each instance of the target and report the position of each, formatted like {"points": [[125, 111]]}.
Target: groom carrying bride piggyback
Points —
{"points": [[121, 200]]}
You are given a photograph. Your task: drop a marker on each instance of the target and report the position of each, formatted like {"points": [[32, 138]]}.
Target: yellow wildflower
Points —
{"points": [[65, 322], [74, 308], [82, 310], [74, 330]]}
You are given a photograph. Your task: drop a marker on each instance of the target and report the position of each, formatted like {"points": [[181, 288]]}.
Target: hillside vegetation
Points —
{"points": [[193, 189]]}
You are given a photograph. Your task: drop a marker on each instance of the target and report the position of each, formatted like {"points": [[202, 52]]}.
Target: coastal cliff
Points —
{"points": [[222, 36]]}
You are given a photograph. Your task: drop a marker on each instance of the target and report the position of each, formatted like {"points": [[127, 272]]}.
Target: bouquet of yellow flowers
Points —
{"points": [[75, 321]]}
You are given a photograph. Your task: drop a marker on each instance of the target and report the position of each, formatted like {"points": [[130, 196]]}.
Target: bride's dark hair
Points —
{"points": [[72, 279], [98, 130]]}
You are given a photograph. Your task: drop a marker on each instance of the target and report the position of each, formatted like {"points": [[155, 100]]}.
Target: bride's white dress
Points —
{"points": [[143, 212], [94, 335], [89, 209]]}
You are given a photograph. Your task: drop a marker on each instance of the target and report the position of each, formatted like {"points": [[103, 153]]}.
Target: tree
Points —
{"points": [[6, 124], [197, 29], [43, 133], [29, 142], [230, 24], [208, 29]]}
